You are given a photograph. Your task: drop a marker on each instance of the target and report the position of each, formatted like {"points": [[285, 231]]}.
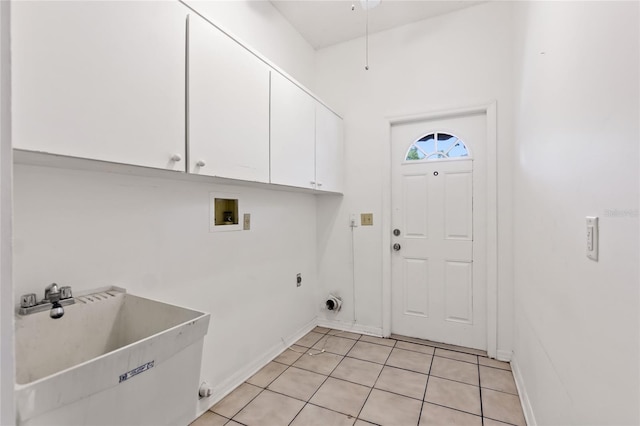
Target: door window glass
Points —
{"points": [[437, 146]]}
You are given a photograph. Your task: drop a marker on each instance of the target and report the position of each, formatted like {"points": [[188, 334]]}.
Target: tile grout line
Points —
{"points": [[383, 390], [454, 359], [456, 409], [495, 368], [496, 390], [259, 393], [374, 383], [442, 346], [326, 335], [321, 384], [244, 406], [394, 393], [480, 390], [424, 395], [350, 416], [407, 369], [456, 381], [388, 365]]}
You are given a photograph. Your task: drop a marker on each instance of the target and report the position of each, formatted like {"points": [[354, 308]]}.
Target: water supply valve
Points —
{"points": [[205, 390]]}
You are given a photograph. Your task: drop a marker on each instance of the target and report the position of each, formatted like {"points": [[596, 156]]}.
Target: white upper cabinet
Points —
{"points": [[102, 80], [120, 81], [329, 150], [228, 106], [292, 134]]}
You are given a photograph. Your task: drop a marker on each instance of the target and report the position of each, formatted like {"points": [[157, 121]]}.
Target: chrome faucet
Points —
{"points": [[52, 293], [54, 298]]}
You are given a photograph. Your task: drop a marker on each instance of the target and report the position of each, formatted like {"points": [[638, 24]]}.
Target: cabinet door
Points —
{"points": [[329, 150], [228, 106], [102, 80], [292, 134]]}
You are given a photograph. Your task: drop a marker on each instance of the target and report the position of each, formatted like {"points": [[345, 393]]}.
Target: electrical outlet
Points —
{"points": [[246, 224], [298, 280], [353, 220], [366, 219]]}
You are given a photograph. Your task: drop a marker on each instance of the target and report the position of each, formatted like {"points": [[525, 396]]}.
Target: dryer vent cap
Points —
{"points": [[333, 303]]}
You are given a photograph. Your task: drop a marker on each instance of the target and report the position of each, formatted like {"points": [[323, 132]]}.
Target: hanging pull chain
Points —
{"points": [[366, 37], [366, 65]]}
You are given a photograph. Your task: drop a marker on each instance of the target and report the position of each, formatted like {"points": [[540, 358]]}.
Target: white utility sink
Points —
{"points": [[113, 358]]}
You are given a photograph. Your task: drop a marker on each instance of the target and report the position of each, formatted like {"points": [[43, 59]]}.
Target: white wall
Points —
{"points": [[457, 60], [262, 27], [6, 289], [151, 236], [576, 155]]}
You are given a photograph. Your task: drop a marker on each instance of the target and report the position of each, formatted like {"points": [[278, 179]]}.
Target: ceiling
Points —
{"points": [[326, 22]]}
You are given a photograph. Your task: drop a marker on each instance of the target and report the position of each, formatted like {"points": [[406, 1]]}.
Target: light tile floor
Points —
{"points": [[363, 380]]}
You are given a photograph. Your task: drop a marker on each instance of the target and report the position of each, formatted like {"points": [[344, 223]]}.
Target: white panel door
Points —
{"points": [[228, 106], [102, 80], [329, 150], [438, 288], [293, 115]]}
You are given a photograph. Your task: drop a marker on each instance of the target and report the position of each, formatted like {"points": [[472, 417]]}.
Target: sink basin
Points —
{"points": [[111, 354]]}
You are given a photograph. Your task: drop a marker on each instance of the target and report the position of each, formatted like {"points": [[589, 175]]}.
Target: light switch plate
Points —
{"points": [[246, 223], [592, 237], [366, 219]]}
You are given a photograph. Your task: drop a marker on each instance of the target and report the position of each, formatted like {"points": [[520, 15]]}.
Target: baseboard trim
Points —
{"points": [[224, 388], [502, 355], [522, 391], [350, 326]]}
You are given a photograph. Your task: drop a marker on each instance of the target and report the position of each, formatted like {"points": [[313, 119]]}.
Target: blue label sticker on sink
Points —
{"points": [[136, 371]]}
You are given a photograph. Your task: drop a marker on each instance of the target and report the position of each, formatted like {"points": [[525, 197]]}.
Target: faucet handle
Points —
{"points": [[65, 292], [51, 292], [28, 300]]}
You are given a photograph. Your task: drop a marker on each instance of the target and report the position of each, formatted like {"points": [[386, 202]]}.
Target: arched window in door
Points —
{"points": [[437, 146]]}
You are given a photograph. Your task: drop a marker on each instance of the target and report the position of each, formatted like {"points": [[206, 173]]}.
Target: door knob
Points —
{"points": [[176, 157], [201, 163], [397, 247], [396, 232]]}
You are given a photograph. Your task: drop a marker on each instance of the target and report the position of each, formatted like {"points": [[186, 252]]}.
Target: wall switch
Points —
{"points": [[366, 219], [353, 220], [246, 223], [592, 237]]}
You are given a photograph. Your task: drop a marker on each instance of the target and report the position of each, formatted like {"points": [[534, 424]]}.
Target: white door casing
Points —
{"points": [[438, 288]]}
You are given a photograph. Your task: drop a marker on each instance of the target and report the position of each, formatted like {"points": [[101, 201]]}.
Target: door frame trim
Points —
{"points": [[489, 109]]}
